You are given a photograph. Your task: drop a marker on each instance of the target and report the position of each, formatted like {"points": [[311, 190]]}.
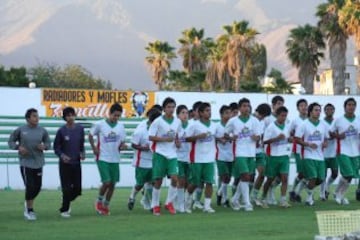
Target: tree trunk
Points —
{"points": [[358, 70], [337, 50], [306, 76]]}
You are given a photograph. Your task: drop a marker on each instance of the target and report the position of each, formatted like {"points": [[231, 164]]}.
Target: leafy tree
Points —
{"points": [[13, 77], [279, 84], [183, 81]]}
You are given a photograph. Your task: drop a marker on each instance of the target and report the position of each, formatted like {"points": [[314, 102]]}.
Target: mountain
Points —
{"points": [[108, 37]]}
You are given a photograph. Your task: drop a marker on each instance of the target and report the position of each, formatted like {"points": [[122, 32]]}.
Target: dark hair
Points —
{"points": [[281, 110], [115, 107], [263, 109], [311, 107], [153, 114], [203, 106], [329, 105], [156, 107], [29, 112], [223, 109], [180, 108], [243, 100], [68, 111], [276, 99], [196, 105], [349, 100], [300, 101], [234, 106], [167, 101]]}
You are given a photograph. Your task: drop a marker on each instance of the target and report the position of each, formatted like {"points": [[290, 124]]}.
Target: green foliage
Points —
{"points": [[183, 81], [13, 77], [279, 84]]}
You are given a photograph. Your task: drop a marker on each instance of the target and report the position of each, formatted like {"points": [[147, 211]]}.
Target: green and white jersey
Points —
{"points": [[330, 150], [183, 152], [142, 159], [269, 119], [203, 150], [279, 148], [313, 133], [224, 151], [109, 137], [295, 124], [260, 146], [243, 129], [162, 127], [348, 146]]}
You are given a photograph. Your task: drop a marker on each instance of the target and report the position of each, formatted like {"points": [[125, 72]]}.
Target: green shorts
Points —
{"points": [[109, 172], [314, 169], [243, 165], [143, 175], [184, 169], [260, 160], [277, 165], [201, 173], [224, 168], [299, 163], [349, 166], [163, 167], [331, 163]]}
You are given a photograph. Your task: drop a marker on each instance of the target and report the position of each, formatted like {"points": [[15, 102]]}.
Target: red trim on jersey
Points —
{"points": [[338, 147], [294, 146], [138, 156], [268, 149], [153, 146], [98, 147], [192, 152], [217, 152]]}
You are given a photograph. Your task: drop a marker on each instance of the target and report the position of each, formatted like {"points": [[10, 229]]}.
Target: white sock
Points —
{"points": [[283, 198], [244, 186], [328, 183], [171, 194], [148, 192], [133, 193], [296, 182], [220, 189], [310, 194], [207, 203], [180, 198], [224, 192], [237, 193], [300, 187], [198, 193], [188, 199], [345, 186], [322, 189], [155, 200]]}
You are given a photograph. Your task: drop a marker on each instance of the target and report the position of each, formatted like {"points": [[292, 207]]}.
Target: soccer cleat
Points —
{"points": [[218, 199], [197, 205], [235, 205], [292, 196], [338, 200], [208, 210], [258, 202], [105, 211], [65, 214], [264, 204], [99, 207], [30, 215], [323, 199], [226, 204], [131, 203], [156, 210], [248, 208], [298, 198], [327, 195], [345, 201], [309, 202], [170, 208], [284, 204], [146, 204]]}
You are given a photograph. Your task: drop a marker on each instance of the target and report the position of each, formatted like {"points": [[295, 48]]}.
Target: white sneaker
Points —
{"points": [[197, 205], [208, 210], [188, 204], [146, 204], [345, 201], [338, 200], [309, 202], [284, 204], [258, 202], [30, 216], [235, 205], [248, 208], [65, 214]]}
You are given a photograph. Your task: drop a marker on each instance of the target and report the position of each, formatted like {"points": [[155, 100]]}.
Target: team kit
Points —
{"points": [[246, 154]]}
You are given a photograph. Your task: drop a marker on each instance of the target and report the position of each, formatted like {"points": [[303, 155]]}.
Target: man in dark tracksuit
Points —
{"points": [[30, 140], [69, 146]]}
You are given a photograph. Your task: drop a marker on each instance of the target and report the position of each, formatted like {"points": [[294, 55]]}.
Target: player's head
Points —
{"points": [[350, 105], [281, 114], [156, 107], [302, 106], [69, 114], [244, 106], [263, 110], [32, 116], [182, 113], [329, 110], [195, 108], [225, 113], [234, 109], [115, 112], [276, 102], [314, 110], [168, 106], [205, 111], [155, 113]]}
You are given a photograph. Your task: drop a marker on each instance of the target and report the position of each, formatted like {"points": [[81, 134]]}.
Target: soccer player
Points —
{"points": [[163, 133], [234, 109], [346, 130], [110, 135], [329, 154], [202, 134], [31, 140], [262, 111], [299, 181], [224, 157], [142, 162], [245, 131], [276, 137], [69, 147], [183, 154], [312, 134]]}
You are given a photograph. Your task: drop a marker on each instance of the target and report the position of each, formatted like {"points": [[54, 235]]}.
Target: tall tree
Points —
{"points": [[336, 37], [240, 38], [349, 19], [160, 56], [304, 51], [279, 84]]}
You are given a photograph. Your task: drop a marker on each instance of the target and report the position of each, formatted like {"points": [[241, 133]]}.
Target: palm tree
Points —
{"points": [[160, 55], [194, 50], [304, 51], [349, 19], [240, 38], [279, 84], [256, 65], [336, 37]]}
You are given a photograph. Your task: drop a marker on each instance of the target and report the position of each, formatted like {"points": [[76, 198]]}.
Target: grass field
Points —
{"points": [[298, 222]]}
